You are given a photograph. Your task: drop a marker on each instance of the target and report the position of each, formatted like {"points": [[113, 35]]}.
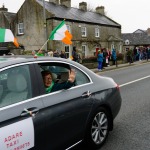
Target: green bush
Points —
{"points": [[89, 59], [119, 56], [27, 52]]}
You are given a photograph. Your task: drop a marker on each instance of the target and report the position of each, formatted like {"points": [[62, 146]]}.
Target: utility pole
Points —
{"points": [[45, 25]]}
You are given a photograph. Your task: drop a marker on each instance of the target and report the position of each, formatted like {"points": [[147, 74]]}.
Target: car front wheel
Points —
{"points": [[98, 129]]}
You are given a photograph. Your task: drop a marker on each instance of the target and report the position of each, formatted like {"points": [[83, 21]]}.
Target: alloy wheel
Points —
{"points": [[99, 128]]}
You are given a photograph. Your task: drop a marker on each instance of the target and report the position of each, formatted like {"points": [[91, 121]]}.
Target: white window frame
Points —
{"points": [[68, 28], [112, 46], [127, 42], [84, 47], [20, 28], [120, 48], [83, 31], [97, 32], [67, 52]]}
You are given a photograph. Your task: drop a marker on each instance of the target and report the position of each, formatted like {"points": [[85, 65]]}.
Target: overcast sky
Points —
{"points": [[131, 14]]}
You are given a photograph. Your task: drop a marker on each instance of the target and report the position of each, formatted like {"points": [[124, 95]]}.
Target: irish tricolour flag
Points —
{"points": [[61, 33], [6, 35]]}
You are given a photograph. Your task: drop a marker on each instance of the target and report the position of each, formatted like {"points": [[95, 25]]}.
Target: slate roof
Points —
{"points": [[139, 31], [74, 14], [137, 38], [9, 16]]}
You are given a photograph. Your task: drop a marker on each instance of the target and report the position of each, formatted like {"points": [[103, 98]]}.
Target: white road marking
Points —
{"points": [[134, 81]]}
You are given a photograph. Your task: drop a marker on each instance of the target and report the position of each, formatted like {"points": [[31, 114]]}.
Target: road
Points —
{"points": [[132, 125]]}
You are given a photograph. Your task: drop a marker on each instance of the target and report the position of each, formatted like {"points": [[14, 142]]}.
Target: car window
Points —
{"points": [[60, 73], [81, 78], [15, 85]]}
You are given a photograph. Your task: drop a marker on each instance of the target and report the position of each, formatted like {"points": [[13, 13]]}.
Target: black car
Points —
{"points": [[32, 119]]}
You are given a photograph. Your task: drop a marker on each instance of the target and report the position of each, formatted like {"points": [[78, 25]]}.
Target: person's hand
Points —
{"points": [[72, 76]]}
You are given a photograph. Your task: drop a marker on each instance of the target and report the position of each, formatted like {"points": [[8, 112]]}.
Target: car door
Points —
{"points": [[66, 111], [21, 121]]}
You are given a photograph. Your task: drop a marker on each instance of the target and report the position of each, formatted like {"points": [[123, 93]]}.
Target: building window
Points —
{"points": [[20, 28], [96, 32], [83, 51], [69, 28], [120, 48], [127, 42], [112, 46], [67, 51], [83, 31]]}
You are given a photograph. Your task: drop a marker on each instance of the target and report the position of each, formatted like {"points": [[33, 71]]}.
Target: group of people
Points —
{"points": [[137, 54], [104, 56], [62, 54], [50, 53], [75, 55]]}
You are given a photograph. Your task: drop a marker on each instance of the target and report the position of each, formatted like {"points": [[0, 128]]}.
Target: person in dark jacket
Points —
{"points": [[63, 54], [105, 54], [129, 56], [56, 53], [74, 55], [51, 86]]}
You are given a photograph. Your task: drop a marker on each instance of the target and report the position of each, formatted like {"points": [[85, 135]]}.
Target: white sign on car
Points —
{"points": [[17, 136]]}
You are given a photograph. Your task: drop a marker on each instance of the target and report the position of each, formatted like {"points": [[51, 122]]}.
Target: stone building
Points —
{"points": [[6, 17], [5, 22], [136, 39], [90, 30]]}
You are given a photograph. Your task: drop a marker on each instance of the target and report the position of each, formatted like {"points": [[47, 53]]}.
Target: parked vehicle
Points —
{"points": [[4, 51], [32, 119]]}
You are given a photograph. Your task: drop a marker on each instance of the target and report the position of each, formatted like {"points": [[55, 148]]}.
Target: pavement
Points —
{"points": [[120, 66]]}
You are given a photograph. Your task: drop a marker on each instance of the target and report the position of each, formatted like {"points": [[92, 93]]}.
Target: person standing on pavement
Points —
{"points": [[135, 54], [100, 60], [108, 57], [39, 53], [148, 52], [50, 53], [114, 56], [75, 55], [129, 56], [56, 53], [104, 57], [63, 54]]}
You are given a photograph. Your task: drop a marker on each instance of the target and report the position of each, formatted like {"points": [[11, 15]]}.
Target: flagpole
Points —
{"points": [[45, 25], [44, 44]]}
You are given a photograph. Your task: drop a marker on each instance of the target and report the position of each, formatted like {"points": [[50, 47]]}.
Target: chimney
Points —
{"points": [[148, 31], [54, 1], [83, 6], [66, 3], [100, 10], [3, 9]]}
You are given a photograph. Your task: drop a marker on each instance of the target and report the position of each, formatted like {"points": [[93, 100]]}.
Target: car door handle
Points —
{"points": [[86, 94], [31, 111]]}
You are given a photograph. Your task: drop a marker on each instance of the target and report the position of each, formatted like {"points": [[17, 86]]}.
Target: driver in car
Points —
{"points": [[51, 86]]}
